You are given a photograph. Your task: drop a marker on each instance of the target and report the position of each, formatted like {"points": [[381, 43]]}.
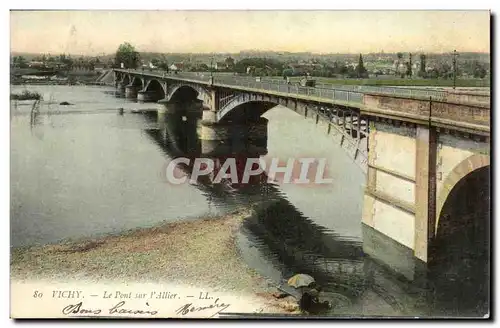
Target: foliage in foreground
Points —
{"points": [[26, 95]]}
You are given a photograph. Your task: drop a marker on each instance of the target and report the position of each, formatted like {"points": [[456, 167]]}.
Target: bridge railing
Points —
{"points": [[390, 90], [401, 91], [346, 93], [327, 94]]}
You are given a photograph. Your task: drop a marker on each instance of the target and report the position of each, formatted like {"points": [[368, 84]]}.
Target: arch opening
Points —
{"points": [[250, 111], [247, 112], [184, 94], [459, 254], [126, 79], [137, 82], [155, 90]]}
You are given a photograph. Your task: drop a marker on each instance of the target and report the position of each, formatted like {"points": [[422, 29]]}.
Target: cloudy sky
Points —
{"points": [[97, 32]]}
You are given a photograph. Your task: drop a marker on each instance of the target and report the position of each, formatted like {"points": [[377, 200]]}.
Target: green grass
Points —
{"points": [[402, 82]]}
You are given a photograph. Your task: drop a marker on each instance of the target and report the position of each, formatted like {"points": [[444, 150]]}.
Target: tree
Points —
{"points": [[479, 70], [202, 67], [400, 56], [433, 73], [287, 72], [66, 60], [20, 61], [343, 70], [229, 62], [360, 69], [444, 70], [127, 55], [162, 63], [156, 62], [409, 71], [422, 65]]}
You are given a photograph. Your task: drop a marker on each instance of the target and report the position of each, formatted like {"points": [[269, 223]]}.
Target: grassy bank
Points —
{"points": [[198, 253]]}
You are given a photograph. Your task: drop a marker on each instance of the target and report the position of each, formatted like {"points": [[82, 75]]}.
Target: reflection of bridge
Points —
{"points": [[283, 234], [302, 247], [417, 147]]}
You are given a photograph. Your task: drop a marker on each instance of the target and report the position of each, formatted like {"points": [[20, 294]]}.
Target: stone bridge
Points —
{"points": [[421, 150]]}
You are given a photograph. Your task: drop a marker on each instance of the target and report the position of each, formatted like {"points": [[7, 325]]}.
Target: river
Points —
{"points": [[83, 170]]}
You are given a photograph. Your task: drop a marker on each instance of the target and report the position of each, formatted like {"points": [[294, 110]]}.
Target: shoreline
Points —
{"points": [[199, 253]]}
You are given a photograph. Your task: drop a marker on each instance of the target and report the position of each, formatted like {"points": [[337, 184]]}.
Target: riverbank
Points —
{"points": [[55, 78], [197, 253]]}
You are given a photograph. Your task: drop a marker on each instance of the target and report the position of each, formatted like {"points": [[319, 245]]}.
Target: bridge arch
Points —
{"points": [[118, 76], [346, 126], [459, 254], [243, 110], [188, 92], [126, 79], [184, 93], [155, 89], [460, 172], [137, 82]]}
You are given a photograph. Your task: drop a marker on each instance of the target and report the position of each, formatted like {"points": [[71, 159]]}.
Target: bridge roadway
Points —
{"points": [[467, 112], [348, 93]]}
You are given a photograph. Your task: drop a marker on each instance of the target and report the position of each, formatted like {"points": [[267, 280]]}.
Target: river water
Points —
{"points": [[82, 170]]}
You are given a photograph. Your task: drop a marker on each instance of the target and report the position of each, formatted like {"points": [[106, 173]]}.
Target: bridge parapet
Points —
{"points": [[353, 94], [467, 117]]}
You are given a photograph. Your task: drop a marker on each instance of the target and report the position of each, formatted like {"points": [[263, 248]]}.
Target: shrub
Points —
{"points": [[26, 95]]}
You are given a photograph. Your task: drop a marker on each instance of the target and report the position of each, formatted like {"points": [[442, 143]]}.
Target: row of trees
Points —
{"points": [[60, 61], [444, 70]]}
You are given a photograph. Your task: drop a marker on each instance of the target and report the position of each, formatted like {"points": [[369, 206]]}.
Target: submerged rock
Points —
{"points": [[65, 103]]}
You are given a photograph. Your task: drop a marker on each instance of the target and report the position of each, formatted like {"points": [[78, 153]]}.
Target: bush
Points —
{"points": [[26, 95]]}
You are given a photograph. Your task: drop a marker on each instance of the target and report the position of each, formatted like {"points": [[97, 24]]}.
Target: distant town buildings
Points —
{"points": [[273, 64], [177, 66]]}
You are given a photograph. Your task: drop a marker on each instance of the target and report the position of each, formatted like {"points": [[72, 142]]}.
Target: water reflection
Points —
{"points": [[177, 137], [284, 236], [279, 240]]}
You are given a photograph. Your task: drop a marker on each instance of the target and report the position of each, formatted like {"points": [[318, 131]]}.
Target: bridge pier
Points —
{"points": [[130, 91], [144, 96], [188, 108], [399, 201], [209, 115], [194, 108], [222, 137], [220, 131], [120, 88], [166, 106]]}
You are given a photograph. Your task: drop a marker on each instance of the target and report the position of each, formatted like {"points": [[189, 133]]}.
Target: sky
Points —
{"points": [[101, 32]]}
